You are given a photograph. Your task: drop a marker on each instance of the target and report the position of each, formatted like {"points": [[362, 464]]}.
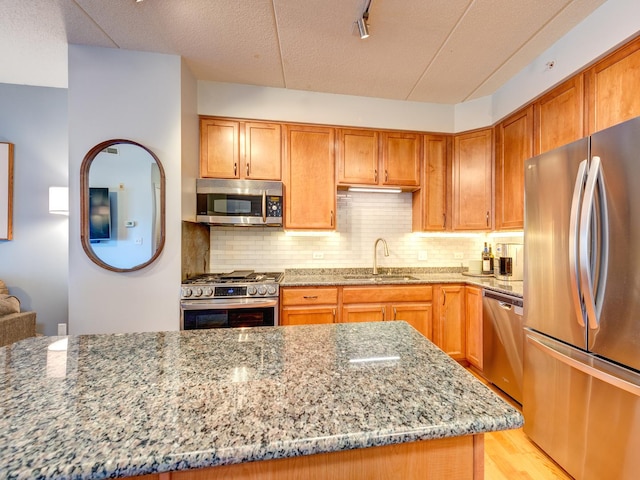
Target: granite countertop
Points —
{"points": [[99, 406], [396, 276]]}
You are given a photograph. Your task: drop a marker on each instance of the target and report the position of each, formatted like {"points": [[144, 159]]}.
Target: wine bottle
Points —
{"points": [[486, 260], [491, 261]]}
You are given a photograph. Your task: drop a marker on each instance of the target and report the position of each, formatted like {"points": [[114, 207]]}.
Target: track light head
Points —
{"points": [[363, 28]]}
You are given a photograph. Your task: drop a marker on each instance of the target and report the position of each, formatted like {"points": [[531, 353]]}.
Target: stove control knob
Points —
{"points": [[186, 292], [207, 292], [262, 290], [197, 292], [251, 290], [271, 290]]}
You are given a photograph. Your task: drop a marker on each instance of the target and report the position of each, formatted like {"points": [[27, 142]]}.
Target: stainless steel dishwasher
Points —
{"points": [[503, 342]]}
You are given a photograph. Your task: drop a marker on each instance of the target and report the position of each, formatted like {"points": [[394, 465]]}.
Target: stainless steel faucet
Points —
{"points": [[375, 253]]}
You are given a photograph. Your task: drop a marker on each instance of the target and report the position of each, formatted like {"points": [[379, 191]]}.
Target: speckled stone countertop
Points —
{"points": [[130, 404], [395, 276]]}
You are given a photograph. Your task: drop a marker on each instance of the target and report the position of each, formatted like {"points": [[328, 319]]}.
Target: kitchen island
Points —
{"points": [[374, 400]]}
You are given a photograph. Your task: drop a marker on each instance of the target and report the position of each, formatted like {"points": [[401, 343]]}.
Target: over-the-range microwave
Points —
{"points": [[248, 203]]}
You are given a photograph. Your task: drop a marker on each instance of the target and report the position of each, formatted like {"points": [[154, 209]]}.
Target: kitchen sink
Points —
{"points": [[378, 278]]}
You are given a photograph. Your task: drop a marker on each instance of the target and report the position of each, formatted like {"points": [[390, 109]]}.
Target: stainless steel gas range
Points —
{"points": [[242, 298]]}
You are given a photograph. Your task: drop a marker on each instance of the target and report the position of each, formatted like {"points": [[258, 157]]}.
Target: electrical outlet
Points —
{"points": [[318, 255], [422, 256], [458, 255], [138, 241]]}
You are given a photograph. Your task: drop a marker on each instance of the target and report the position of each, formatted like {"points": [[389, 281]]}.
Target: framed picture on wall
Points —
{"points": [[6, 189]]}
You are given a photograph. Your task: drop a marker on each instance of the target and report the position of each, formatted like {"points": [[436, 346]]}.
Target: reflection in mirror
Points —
{"points": [[122, 201]]}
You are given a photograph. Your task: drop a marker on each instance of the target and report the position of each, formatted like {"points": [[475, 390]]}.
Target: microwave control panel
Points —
{"points": [[274, 206]]}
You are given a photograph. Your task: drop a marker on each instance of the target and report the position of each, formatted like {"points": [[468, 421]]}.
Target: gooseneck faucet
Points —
{"points": [[375, 253]]}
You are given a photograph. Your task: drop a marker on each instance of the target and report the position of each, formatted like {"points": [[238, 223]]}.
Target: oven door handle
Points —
{"points": [[230, 304]]}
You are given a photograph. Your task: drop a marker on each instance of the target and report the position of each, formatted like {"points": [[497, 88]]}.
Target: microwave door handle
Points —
{"points": [[264, 206], [574, 236]]}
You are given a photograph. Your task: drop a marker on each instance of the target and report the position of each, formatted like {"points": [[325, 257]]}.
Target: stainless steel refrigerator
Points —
{"points": [[581, 388]]}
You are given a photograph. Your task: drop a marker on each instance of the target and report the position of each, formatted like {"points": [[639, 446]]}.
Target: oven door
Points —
{"points": [[228, 313]]}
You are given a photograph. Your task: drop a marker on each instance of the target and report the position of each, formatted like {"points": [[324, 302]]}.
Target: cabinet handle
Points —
{"points": [[386, 176], [383, 313], [444, 297], [235, 169], [332, 218], [247, 169], [310, 297], [334, 314], [444, 220], [487, 218], [395, 313], [375, 175]]}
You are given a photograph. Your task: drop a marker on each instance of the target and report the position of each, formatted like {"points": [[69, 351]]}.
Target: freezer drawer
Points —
{"points": [[502, 342], [583, 411]]}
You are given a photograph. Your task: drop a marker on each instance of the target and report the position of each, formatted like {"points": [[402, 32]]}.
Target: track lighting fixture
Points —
{"points": [[363, 28]]}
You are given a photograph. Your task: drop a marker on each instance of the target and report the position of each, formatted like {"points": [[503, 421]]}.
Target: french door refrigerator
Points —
{"points": [[581, 387]]}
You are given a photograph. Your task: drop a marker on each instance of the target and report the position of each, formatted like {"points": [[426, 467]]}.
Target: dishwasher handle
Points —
{"points": [[506, 301]]}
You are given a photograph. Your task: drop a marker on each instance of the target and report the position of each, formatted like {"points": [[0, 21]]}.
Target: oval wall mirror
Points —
{"points": [[122, 201]]}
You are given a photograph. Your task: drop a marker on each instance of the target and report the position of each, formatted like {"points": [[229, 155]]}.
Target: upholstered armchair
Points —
{"points": [[14, 324]]}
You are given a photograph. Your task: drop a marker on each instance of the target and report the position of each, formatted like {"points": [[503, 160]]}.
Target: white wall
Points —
{"points": [[610, 25], [34, 264], [267, 103], [131, 95], [190, 143]]}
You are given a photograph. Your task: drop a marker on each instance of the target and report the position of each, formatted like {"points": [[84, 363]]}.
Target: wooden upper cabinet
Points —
{"points": [[358, 157], [235, 149], [514, 144], [219, 148], [262, 151], [373, 158], [400, 159], [430, 205], [612, 87], [471, 170], [558, 116], [310, 190]]}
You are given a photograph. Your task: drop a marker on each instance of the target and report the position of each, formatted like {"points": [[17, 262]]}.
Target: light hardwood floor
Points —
{"points": [[510, 455]]}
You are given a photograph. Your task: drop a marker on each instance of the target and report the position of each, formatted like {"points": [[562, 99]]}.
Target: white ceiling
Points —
{"points": [[441, 51]]}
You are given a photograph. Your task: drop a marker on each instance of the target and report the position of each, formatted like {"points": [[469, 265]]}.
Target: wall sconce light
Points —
{"points": [[59, 200]]}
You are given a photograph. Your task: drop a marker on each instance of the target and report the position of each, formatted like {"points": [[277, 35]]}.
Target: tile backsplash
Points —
{"points": [[362, 218]]}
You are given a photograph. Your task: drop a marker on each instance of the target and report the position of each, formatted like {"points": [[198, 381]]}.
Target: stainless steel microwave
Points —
{"points": [[244, 203]]}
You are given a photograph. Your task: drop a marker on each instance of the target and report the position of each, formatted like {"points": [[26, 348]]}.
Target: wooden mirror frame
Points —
{"points": [[84, 205]]}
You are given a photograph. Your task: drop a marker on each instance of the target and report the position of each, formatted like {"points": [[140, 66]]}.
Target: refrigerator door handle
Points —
{"points": [[583, 367], [593, 298], [574, 236]]}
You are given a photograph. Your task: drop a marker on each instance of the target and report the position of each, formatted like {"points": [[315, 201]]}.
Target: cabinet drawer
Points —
{"points": [[309, 296], [399, 293]]}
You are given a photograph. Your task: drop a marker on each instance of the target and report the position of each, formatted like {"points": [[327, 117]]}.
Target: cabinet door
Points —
{"points": [[473, 315], [370, 312], [430, 202], [449, 326], [307, 315], [219, 148], [400, 159], [310, 192], [418, 315], [262, 151], [558, 116], [472, 193], [357, 157], [515, 145], [612, 88]]}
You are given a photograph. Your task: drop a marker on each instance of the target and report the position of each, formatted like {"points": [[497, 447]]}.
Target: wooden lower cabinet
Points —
{"points": [[411, 303], [308, 305], [454, 458], [473, 316], [449, 320]]}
